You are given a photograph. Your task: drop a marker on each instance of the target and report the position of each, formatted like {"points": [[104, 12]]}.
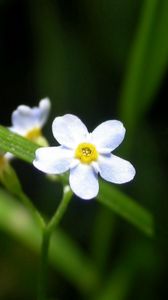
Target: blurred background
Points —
{"points": [[99, 60]]}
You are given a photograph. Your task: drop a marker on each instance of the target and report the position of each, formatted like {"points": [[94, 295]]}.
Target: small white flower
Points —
{"points": [[28, 121], [85, 154]]}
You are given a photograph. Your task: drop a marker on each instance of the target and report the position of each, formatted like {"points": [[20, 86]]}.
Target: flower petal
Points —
{"points": [[44, 108], [53, 160], [84, 182], [108, 135], [22, 119], [115, 169], [9, 156], [69, 130], [25, 118]]}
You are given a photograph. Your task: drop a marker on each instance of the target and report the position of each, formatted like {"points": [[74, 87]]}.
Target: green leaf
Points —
{"points": [[119, 282], [10, 180], [127, 208], [17, 145], [109, 196], [64, 254], [157, 59], [104, 228], [147, 62], [117, 286]]}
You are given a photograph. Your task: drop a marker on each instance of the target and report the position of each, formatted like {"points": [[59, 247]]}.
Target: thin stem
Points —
{"points": [[11, 182], [27, 202], [60, 210], [47, 232], [42, 289]]}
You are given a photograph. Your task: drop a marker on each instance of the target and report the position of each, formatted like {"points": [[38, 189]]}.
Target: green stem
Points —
{"points": [[60, 210], [43, 265], [47, 232], [11, 182], [27, 202]]}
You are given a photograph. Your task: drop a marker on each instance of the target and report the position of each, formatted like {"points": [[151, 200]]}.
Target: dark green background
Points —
{"points": [[100, 60]]}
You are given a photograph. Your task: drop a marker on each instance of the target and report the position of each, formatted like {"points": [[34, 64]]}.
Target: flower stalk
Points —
{"points": [[46, 238]]}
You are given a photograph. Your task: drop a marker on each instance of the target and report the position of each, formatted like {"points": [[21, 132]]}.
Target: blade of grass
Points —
{"points": [[120, 280], [147, 63], [17, 145], [137, 257], [132, 91], [127, 208], [109, 196], [118, 284], [64, 254], [103, 233], [157, 58]]}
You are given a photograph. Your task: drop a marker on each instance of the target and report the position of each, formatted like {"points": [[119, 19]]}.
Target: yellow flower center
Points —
{"points": [[86, 153], [34, 134]]}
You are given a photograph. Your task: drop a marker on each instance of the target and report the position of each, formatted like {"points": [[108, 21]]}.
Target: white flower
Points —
{"points": [[28, 121], [85, 154]]}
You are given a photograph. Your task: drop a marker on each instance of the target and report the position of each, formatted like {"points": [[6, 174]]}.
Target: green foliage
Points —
{"points": [[17, 145], [65, 255], [92, 58], [112, 198], [147, 62], [10, 180], [126, 208]]}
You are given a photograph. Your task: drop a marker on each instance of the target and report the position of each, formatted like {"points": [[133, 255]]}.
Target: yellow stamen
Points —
{"points": [[86, 153], [34, 134]]}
